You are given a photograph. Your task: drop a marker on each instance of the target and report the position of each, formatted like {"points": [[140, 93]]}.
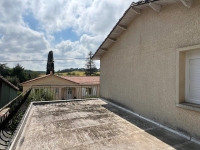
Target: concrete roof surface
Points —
{"points": [[92, 125]]}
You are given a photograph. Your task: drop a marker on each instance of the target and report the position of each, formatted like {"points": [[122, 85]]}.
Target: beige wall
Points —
{"points": [[52, 83], [139, 70], [50, 80]]}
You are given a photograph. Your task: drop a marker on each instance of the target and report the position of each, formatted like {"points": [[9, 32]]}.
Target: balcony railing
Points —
{"points": [[10, 116]]}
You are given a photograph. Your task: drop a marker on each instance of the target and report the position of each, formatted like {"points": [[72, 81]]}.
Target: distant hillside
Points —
{"points": [[69, 72], [40, 72], [72, 70]]}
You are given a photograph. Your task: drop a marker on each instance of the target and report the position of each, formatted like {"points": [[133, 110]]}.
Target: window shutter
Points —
{"points": [[194, 79], [94, 91], [83, 91]]}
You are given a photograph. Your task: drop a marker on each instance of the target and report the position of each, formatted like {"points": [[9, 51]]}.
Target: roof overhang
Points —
{"points": [[132, 12], [46, 76], [8, 83]]}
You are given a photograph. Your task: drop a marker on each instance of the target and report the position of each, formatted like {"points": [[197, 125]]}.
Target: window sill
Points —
{"points": [[190, 106]]}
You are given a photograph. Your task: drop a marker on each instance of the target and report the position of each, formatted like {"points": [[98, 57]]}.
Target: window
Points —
{"points": [[188, 77], [69, 91], [57, 90], [88, 91], [192, 85]]}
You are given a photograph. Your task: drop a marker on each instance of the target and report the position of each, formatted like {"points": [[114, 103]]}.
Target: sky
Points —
{"points": [[70, 28]]}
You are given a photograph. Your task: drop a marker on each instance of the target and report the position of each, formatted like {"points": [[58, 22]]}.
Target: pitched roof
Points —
{"points": [[35, 79], [7, 82], [75, 79], [134, 10], [83, 79]]}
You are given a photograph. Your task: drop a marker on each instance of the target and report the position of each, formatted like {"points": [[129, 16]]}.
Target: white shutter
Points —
{"points": [[193, 77], [94, 91], [83, 91]]}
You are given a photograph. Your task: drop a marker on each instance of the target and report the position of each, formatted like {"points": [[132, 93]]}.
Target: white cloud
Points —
{"points": [[92, 20], [19, 39], [88, 16]]}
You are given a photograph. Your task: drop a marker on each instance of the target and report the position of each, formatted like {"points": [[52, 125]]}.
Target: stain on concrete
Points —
{"points": [[93, 124]]}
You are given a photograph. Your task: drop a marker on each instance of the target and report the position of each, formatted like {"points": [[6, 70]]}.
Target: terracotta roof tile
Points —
{"points": [[83, 79]]}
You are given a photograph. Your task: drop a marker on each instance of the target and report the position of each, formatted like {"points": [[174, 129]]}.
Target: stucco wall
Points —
{"points": [[52, 83], [50, 80], [139, 70]]}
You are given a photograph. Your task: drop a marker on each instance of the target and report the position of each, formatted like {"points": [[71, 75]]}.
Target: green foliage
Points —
{"points": [[70, 70], [17, 74], [40, 95], [69, 73], [13, 79], [4, 70], [19, 92], [31, 74], [18, 71]]}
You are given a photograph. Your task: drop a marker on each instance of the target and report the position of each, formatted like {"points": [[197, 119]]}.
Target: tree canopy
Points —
{"points": [[17, 74]]}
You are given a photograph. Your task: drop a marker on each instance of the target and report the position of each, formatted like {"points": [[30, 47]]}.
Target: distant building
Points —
{"points": [[65, 87], [7, 91]]}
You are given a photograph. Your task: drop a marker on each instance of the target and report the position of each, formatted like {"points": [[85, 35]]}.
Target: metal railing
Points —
{"points": [[10, 116]]}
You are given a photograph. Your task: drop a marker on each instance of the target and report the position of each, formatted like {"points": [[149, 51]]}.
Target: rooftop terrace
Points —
{"points": [[91, 125]]}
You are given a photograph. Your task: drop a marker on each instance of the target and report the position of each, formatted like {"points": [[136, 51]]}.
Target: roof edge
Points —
{"points": [[111, 31], [48, 76], [134, 5], [9, 83]]}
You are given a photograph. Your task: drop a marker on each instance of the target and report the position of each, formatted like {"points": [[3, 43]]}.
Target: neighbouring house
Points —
{"points": [[7, 91], [65, 87], [150, 63]]}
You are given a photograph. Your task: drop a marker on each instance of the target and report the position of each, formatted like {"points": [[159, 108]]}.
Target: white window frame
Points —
{"points": [[191, 55], [181, 79]]}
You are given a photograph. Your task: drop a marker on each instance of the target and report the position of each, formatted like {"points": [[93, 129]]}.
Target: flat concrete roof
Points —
{"points": [[92, 125]]}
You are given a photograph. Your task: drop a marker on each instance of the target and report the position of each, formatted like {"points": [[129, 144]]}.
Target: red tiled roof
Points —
{"points": [[83, 79]]}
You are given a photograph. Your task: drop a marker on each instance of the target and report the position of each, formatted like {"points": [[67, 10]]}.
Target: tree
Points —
{"points": [[50, 63], [18, 71], [90, 67], [14, 80], [4, 70]]}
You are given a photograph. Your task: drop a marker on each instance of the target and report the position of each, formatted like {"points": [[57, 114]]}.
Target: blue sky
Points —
{"points": [[70, 28], [66, 34], [31, 21]]}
